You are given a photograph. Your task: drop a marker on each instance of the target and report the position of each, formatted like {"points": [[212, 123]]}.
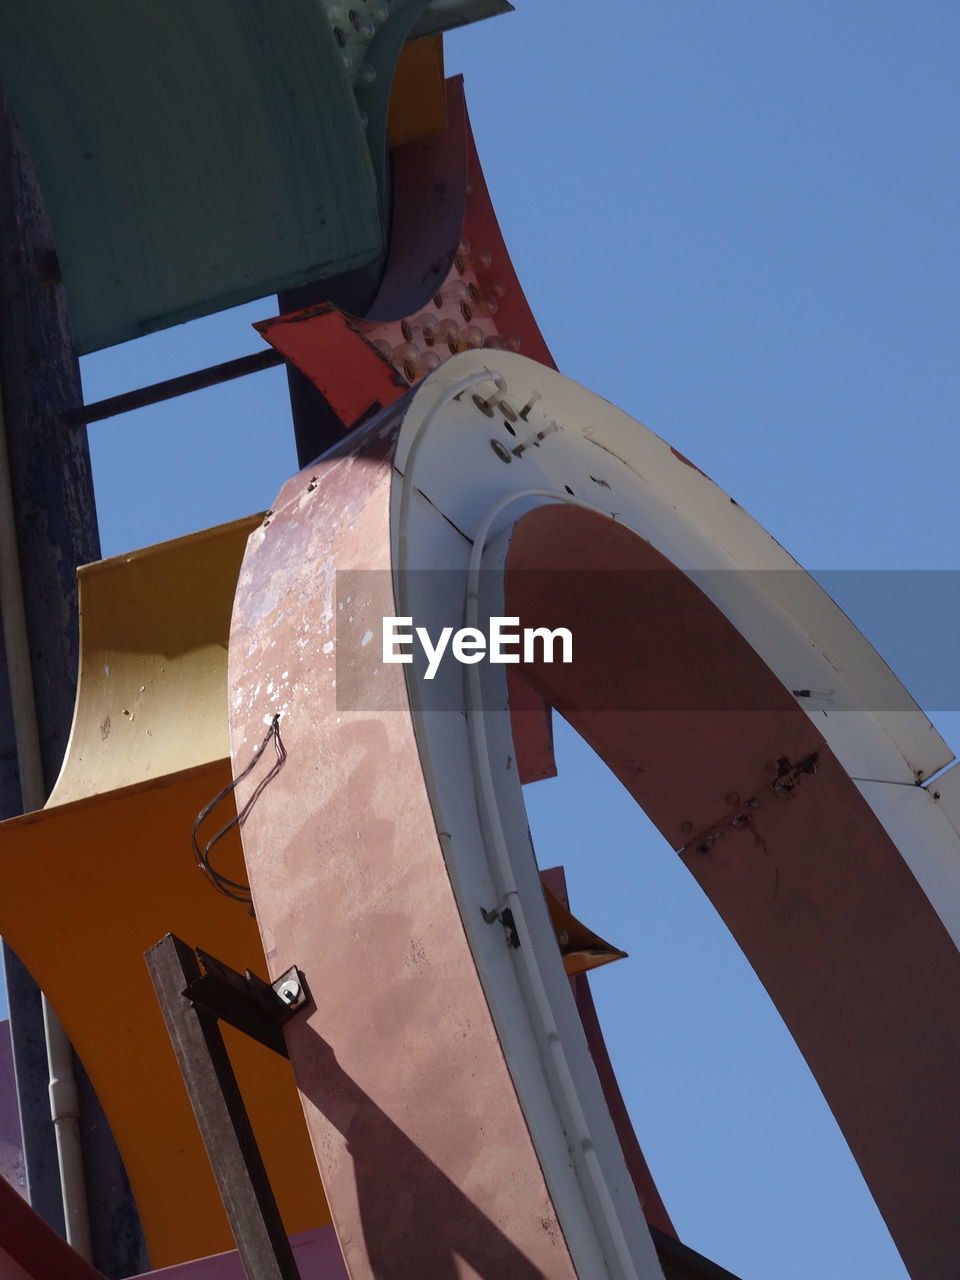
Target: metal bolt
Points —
{"points": [[289, 991], [525, 411]]}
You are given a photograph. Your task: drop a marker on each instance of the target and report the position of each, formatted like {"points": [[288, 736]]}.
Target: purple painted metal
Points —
{"points": [[425, 1155], [429, 180], [316, 1252], [12, 1167]]}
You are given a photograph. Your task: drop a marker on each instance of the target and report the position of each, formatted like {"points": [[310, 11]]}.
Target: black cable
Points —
{"points": [[232, 888]]}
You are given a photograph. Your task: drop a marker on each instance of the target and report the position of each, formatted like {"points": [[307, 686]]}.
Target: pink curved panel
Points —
{"points": [[423, 1149], [739, 781]]}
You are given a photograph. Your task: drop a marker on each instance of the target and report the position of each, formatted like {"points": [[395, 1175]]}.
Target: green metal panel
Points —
{"points": [[193, 154], [443, 15]]}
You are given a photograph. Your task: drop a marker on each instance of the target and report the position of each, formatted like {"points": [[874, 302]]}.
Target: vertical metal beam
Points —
{"points": [[221, 1116], [56, 530]]}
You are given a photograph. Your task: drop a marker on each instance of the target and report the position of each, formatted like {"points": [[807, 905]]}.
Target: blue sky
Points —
{"points": [[737, 222]]}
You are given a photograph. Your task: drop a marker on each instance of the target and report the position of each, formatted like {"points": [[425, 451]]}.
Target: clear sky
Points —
{"points": [[736, 221]]}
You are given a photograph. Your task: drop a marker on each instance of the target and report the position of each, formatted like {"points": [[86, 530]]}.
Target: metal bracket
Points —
{"points": [[246, 1002]]}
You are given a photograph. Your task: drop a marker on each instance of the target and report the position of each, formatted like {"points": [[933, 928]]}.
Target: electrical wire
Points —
{"points": [[232, 888]]}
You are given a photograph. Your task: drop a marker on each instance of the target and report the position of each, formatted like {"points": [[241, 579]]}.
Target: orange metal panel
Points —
{"points": [[418, 104], [106, 869], [87, 887]]}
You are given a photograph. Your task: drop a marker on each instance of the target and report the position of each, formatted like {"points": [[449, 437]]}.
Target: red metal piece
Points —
{"points": [[354, 376]]}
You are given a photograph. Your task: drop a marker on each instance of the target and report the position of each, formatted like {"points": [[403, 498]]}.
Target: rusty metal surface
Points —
{"points": [[414, 1118], [682, 673], [221, 1115], [804, 875], [157, 392]]}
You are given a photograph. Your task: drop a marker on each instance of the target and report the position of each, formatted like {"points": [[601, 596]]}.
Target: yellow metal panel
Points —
{"points": [[106, 869], [151, 698], [85, 889]]}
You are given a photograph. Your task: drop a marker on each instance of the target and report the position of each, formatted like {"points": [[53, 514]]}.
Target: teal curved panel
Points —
{"points": [[192, 155]]}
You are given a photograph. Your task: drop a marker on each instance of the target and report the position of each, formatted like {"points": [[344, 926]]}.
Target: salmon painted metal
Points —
{"points": [[415, 1123], [843, 894]]}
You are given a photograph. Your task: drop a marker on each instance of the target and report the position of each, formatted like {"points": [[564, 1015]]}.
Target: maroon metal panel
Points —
{"points": [[417, 1129], [26, 1238], [732, 771], [531, 720]]}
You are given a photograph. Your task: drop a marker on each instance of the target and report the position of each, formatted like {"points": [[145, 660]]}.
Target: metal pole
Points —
{"points": [[64, 1105], [49, 504]]}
